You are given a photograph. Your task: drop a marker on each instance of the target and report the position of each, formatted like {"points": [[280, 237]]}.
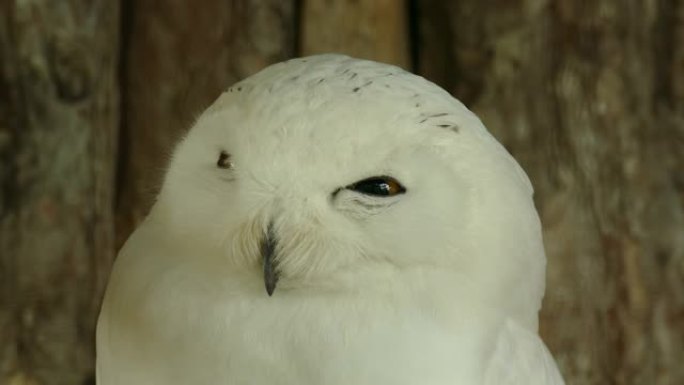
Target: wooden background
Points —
{"points": [[587, 95]]}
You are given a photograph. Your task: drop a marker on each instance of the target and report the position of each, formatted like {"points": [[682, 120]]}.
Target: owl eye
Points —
{"points": [[382, 186], [224, 160]]}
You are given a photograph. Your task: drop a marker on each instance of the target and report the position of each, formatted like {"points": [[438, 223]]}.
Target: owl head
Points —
{"points": [[337, 174]]}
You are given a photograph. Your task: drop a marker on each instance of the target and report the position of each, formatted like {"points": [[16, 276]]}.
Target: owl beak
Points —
{"points": [[271, 274]]}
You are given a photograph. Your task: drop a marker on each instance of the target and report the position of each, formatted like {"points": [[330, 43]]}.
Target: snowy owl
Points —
{"points": [[332, 221]]}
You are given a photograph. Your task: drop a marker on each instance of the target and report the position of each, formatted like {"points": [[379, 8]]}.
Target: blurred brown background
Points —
{"points": [[587, 95]]}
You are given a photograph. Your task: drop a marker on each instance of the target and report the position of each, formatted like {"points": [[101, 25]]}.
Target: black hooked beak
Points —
{"points": [[271, 274]]}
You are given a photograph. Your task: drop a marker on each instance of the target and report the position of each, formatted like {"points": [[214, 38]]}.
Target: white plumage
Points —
{"points": [[398, 239]]}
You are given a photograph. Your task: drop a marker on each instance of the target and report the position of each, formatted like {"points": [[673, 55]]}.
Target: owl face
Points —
{"points": [[316, 170]]}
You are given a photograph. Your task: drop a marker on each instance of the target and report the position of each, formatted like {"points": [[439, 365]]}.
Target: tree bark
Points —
{"points": [[58, 118], [179, 57], [368, 29], [588, 97]]}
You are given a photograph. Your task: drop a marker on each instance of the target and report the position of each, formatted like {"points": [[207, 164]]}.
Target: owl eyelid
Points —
{"points": [[223, 160]]}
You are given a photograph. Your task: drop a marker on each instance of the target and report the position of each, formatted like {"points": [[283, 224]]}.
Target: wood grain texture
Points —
{"points": [[368, 29], [588, 97], [58, 119], [179, 57]]}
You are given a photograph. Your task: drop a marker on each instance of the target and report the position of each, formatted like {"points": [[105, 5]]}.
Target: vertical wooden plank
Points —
{"points": [[369, 29], [58, 122], [178, 58], [580, 93]]}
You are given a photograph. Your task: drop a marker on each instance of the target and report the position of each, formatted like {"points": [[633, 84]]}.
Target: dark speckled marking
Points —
{"points": [[356, 89], [434, 116], [451, 127], [239, 88], [383, 75]]}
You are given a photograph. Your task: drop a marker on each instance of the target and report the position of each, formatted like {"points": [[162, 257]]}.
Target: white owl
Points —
{"points": [[332, 221]]}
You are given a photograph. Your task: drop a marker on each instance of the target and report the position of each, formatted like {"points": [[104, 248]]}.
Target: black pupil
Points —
{"points": [[373, 186]]}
